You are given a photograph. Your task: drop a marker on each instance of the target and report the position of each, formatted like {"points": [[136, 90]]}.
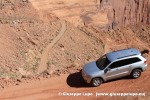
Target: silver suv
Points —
{"points": [[115, 65]]}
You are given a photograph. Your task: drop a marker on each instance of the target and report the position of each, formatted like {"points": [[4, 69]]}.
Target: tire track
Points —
{"points": [[43, 63]]}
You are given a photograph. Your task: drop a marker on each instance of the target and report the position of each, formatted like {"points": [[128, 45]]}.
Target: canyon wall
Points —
{"points": [[99, 13], [126, 12]]}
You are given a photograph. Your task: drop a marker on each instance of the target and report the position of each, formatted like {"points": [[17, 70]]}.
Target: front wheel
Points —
{"points": [[96, 82], [136, 73]]}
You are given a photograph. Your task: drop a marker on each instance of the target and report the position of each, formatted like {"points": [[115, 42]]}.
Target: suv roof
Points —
{"points": [[112, 56]]}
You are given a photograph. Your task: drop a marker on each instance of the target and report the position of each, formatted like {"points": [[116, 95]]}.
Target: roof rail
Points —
{"points": [[122, 49], [127, 56]]}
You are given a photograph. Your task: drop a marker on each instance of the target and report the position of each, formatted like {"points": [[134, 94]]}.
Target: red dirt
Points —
{"points": [[44, 57], [25, 50], [50, 88]]}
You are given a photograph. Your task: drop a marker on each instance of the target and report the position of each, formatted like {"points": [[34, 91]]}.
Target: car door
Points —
{"points": [[118, 69]]}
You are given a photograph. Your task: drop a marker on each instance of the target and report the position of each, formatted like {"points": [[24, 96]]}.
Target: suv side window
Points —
{"points": [[134, 60], [124, 62], [114, 65], [118, 64]]}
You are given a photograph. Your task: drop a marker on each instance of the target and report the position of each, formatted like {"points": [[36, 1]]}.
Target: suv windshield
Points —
{"points": [[102, 62]]}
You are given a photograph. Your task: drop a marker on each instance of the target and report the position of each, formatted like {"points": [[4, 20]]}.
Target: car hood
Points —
{"points": [[91, 68]]}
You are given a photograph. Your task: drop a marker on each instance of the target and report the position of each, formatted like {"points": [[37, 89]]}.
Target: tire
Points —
{"points": [[136, 73], [96, 82]]}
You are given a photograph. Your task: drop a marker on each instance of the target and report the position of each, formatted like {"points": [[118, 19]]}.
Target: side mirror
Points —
{"points": [[106, 70]]}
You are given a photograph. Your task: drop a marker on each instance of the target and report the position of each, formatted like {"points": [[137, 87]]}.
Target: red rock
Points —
{"points": [[127, 12]]}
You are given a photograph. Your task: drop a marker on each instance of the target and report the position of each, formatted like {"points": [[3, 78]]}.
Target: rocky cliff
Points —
{"points": [[99, 13], [126, 12]]}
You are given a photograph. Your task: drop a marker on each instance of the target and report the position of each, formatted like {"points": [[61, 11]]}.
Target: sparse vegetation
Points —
{"points": [[4, 73], [27, 33]]}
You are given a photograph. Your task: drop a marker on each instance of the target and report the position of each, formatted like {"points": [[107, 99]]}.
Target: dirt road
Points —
{"points": [[57, 87]]}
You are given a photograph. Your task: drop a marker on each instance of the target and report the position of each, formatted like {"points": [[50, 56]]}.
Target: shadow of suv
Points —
{"points": [[114, 65]]}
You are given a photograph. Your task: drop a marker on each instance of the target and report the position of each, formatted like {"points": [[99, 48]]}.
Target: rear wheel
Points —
{"points": [[136, 73], [96, 82]]}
